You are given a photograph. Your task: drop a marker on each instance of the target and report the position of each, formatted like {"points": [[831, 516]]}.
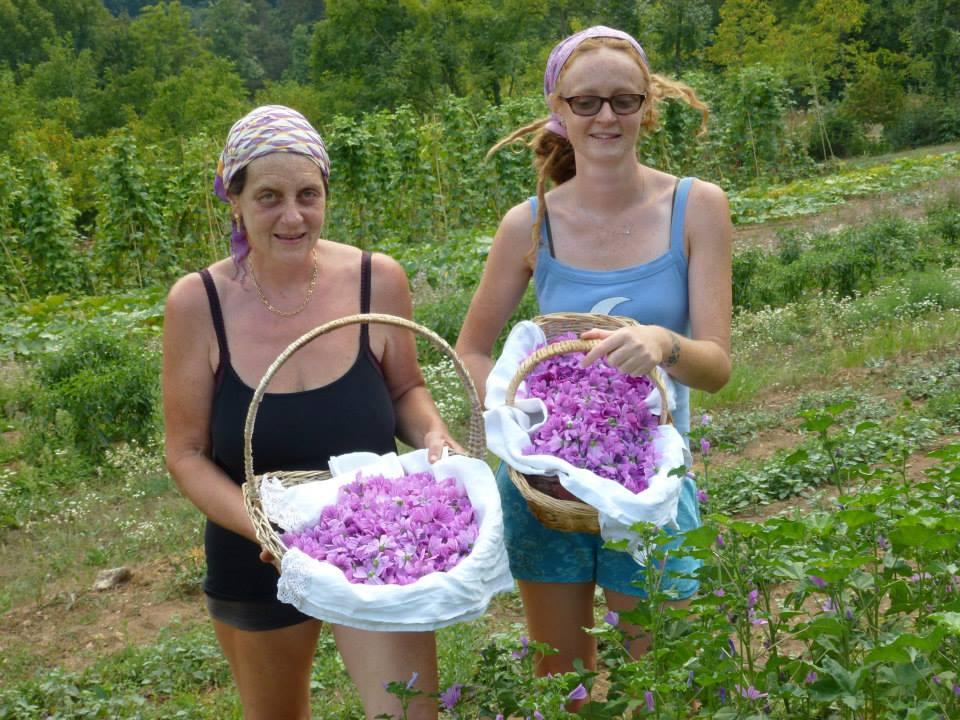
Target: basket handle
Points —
{"points": [[562, 347], [476, 439]]}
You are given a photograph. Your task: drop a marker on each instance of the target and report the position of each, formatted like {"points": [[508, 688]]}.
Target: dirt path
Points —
{"points": [[910, 204]]}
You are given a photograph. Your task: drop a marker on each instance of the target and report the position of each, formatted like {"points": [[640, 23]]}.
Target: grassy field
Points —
{"points": [[832, 400]]}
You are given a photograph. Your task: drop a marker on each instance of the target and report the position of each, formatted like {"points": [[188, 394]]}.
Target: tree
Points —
{"points": [[678, 29], [747, 34]]}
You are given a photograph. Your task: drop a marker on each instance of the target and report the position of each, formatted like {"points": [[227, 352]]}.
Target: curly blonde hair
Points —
{"points": [[553, 155]]}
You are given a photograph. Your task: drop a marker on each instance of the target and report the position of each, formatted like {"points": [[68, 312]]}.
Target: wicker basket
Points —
{"points": [[267, 533], [553, 510]]}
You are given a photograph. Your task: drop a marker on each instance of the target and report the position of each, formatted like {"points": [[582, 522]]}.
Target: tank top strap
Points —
{"points": [[365, 277], [217, 314], [678, 214]]}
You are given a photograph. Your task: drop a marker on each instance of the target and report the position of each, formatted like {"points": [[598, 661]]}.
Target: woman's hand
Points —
{"points": [[634, 350], [436, 440]]}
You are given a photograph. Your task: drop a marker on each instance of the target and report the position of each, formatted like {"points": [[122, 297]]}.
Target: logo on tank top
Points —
{"points": [[605, 306]]}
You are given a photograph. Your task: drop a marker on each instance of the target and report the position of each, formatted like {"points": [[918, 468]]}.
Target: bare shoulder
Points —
{"points": [[516, 224], [187, 297], [708, 214], [705, 197], [391, 290]]}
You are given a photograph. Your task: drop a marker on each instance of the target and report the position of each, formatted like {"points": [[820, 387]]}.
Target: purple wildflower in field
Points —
{"points": [[702, 496], [956, 689], [392, 531], [883, 543], [704, 446], [705, 419], [578, 693], [752, 597], [811, 677], [499, 716], [827, 605], [597, 419], [719, 592], [750, 692], [537, 715], [720, 542], [648, 698], [524, 648], [451, 696], [818, 581], [936, 679], [611, 618], [722, 694]]}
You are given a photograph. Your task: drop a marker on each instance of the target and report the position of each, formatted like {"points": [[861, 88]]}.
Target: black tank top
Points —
{"points": [[293, 431]]}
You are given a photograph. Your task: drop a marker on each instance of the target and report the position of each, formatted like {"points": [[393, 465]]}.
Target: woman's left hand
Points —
{"points": [[436, 440], [634, 350]]}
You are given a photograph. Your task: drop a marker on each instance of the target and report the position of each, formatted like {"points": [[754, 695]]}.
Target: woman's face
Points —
{"points": [[282, 205], [604, 72]]}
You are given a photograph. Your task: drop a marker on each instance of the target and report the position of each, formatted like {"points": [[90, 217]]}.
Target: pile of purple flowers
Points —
{"points": [[392, 531], [597, 418]]}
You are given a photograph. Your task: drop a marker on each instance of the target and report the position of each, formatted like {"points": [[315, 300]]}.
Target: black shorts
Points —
{"points": [[255, 615]]}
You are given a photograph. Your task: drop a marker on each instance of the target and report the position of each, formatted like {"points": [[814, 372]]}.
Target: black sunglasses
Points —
{"points": [[589, 105]]}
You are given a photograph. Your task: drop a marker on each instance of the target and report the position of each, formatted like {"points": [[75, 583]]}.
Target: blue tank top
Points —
{"points": [[653, 293]]}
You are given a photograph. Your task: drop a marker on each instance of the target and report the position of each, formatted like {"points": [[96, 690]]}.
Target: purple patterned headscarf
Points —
{"points": [[267, 129], [562, 52]]}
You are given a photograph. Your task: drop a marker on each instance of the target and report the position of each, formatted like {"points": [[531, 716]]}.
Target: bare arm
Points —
{"points": [[418, 421], [187, 395], [702, 360], [505, 278]]}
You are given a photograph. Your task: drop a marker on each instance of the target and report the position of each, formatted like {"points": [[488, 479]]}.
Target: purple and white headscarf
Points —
{"points": [[265, 130], [562, 52]]}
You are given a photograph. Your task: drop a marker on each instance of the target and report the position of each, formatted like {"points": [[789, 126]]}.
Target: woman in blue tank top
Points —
{"points": [[618, 237]]}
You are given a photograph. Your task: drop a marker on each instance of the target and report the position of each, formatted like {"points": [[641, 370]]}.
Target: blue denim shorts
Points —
{"points": [[540, 554]]}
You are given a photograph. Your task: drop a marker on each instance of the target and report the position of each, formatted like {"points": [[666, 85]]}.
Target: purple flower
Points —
{"points": [[392, 531], [524, 648], [611, 618], [719, 592], [811, 677], [705, 419], [956, 689], [499, 716], [720, 542], [936, 679], [648, 699], [883, 543], [704, 446], [818, 581], [752, 597], [750, 692], [722, 694], [451, 696], [412, 680], [537, 715], [702, 496], [578, 693], [597, 419]]}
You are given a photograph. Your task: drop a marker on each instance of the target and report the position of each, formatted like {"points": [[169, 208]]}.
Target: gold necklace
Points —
{"points": [[287, 313]]}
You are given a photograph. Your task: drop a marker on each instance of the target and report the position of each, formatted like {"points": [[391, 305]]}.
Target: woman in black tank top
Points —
{"points": [[354, 389]]}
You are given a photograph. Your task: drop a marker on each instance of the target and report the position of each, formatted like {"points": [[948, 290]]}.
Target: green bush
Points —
{"points": [[844, 134], [925, 120], [106, 384]]}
